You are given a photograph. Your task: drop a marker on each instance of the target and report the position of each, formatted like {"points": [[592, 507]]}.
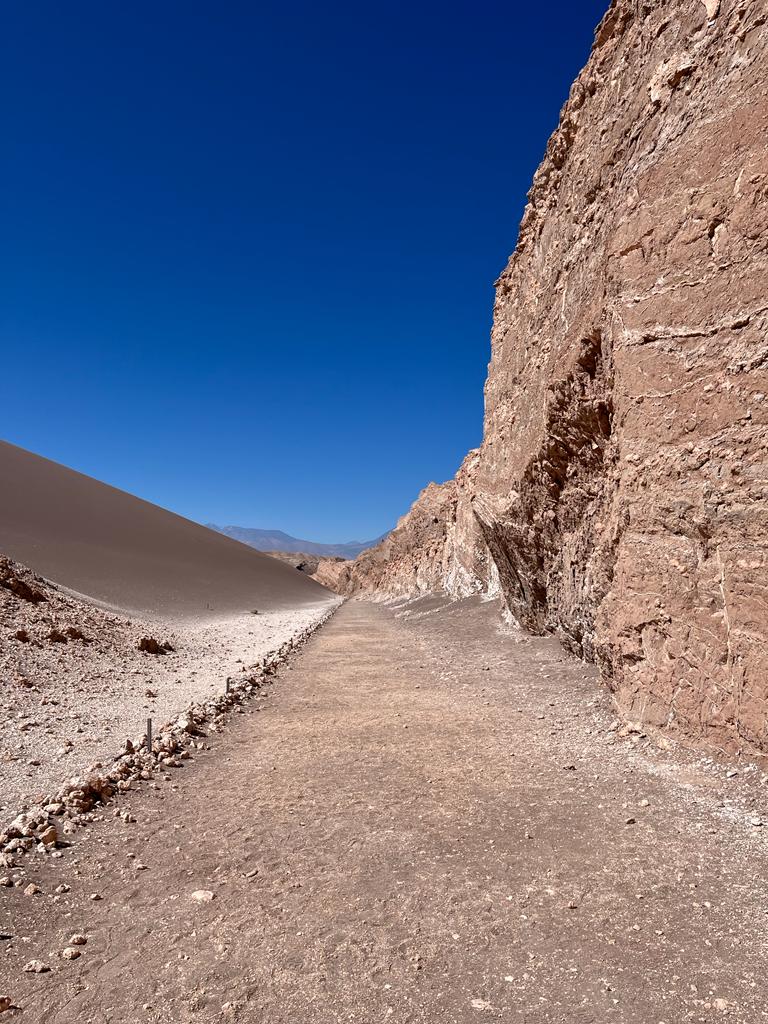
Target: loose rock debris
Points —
{"points": [[362, 867], [75, 800]]}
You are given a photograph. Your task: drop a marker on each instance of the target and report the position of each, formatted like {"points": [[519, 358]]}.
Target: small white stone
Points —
{"points": [[36, 967], [203, 896]]}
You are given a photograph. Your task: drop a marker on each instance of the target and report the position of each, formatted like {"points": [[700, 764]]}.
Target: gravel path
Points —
{"points": [[429, 819]]}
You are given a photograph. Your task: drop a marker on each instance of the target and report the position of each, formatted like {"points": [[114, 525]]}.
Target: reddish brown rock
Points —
{"points": [[621, 484], [77, 634], [333, 573], [329, 570], [149, 645], [436, 546], [299, 560], [22, 588]]}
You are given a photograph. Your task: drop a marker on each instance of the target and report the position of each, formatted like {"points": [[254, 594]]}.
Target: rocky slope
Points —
{"points": [[76, 679], [437, 546], [619, 496]]}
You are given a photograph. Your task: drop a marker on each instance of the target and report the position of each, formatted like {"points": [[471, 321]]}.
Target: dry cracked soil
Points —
{"points": [[431, 818]]}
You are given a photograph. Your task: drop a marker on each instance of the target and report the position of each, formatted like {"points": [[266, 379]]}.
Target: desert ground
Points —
{"points": [[408, 804], [428, 816], [114, 574], [77, 685]]}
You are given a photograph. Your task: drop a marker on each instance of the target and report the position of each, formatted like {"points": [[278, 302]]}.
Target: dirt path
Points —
{"points": [[426, 821]]}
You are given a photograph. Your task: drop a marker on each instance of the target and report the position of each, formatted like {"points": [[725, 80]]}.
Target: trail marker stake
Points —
{"points": [[149, 735]]}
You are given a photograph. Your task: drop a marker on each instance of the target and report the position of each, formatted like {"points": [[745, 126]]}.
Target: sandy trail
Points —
{"points": [[426, 821]]}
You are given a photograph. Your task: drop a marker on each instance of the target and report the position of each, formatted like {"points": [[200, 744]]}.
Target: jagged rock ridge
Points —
{"points": [[619, 495]]}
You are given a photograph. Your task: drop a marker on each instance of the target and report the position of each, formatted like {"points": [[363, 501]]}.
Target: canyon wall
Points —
{"points": [[437, 546], [618, 499]]}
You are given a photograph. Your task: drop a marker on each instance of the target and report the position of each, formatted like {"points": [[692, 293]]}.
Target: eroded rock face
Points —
{"points": [[333, 573], [620, 489], [436, 546], [22, 588]]}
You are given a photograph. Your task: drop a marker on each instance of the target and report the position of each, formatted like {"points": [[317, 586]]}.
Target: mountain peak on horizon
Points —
{"points": [[278, 540]]}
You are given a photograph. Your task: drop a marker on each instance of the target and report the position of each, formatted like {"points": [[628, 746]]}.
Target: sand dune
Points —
{"points": [[130, 554]]}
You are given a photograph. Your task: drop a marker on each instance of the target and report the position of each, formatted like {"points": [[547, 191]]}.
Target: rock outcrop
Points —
{"points": [[619, 496], [329, 570], [436, 546], [333, 573]]}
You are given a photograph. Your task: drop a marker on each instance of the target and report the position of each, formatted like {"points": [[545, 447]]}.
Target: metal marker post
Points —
{"points": [[149, 735]]}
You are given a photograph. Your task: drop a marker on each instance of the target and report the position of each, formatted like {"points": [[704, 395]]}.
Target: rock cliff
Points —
{"points": [[618, 499], [436, 546]]}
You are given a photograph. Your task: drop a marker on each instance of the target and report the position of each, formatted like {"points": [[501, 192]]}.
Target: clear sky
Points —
{"points": [[248, 249]]}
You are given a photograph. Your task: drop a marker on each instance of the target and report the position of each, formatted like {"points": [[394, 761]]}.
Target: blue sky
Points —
{"points": [[248, 250]]}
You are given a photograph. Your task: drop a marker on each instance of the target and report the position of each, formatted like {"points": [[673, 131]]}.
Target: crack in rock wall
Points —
{"points": [[618, 499]]}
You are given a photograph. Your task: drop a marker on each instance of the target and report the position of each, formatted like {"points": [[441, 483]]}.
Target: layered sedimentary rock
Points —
{"points": [[619, 496], [436, 546]]}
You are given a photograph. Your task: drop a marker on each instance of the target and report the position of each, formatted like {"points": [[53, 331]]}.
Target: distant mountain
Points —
{"points": [[276, 540]]}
